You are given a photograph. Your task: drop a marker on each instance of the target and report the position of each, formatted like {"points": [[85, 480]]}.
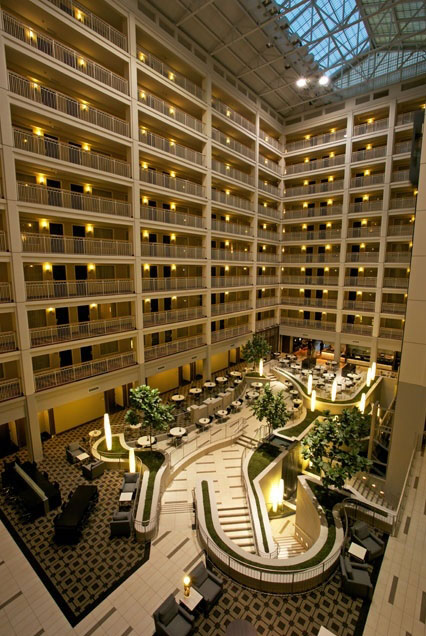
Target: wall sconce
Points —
{"points": [[332, 154], [81, 62], [368, 147], [146, 268], [145, 200], [44, 224], [173, 268], [86, 147], [228, 141], [263, 247], [304, 226], [142, 95], [173, 206], [89, 229], [328, 224], [302, 269], [265, 205], [47, 267], [325, 291], [50, 310], [87, 188], [326, 269], [91, 267], [227, 268], [305, 182], [93, 306], [365, 197], [330, 202], [173, 174], [305, 205], [370, 120], [227, 192], [144, 165], [145, 234], [173, 237], [307, 137], [171, 76], [38, 132], [331, 179], [306, 159], [41, 179], [364, 222], [366, 173], [303, 248]]}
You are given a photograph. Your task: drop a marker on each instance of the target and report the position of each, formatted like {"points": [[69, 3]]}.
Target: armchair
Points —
{"points": [[130, 482], [363, 534], [356, 578], [120, 524], [93, 470], [171, 619], [207, 584], [72, 450]]}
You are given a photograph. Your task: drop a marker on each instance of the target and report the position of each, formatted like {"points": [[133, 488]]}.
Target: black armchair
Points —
{"points": [[207, 584], [120, 524], [72, 450], [356, 578], [171, 619], [363, 534], [93, 470], [130, 482]]}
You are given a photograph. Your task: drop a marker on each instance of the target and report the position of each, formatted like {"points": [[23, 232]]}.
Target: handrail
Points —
{"points": [[173, 217], [170, 110], [157, 65]]}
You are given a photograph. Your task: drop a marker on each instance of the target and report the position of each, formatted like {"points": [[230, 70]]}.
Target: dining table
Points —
{"points": [[146, 441], [221, 379], [195, 391], [222, 413], [235, 374], [204, 421], [252, 395], [178, 398], [294, 392], [257, 385], [209, 385]]}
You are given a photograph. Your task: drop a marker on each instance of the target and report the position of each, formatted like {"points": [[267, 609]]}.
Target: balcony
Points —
{"points": [[404, 229], [267, 280], [364, 155], [171, 217], [178, 283], [232, 144], [326, 210], [231, 332], [359, 305], [70, 154], [394, 308], [228, 227], [52, 289], [391, 333], [174, 114], [74, 200], [10, 389], [265, 323], [74, 373], [164, 250], [269, 164], [316, 164], [364, 232], [64, 54], [402, 203], [171, 348], [362, 257], [269, 188], [310, 280], [355, 281], [231, 114], [3, 242], [232, 173], [365, 206], [367, 181], [311, 324], [7, 341], [268, 235], [269, 301], [230, 307], [317, 140], [175, 315], [327, 257], [400, 175], [5, 293], [314, 188], [65, 104], [227, 255], [405, 118], [183, 186], [231, 199], [402, 147], [271, 213], [395, 282], [398, 257], [268, 257], [92, 21], [42, 336], [309, 302], [375, 126], [171, 147], [363, 330], [48, 243], [231, 281], [307, 235], [169, 73], [274, 143]]}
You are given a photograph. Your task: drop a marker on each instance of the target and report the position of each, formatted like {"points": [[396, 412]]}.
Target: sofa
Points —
{"points": [[171, 619], [356, 578], [72, 450], [93, 470], [363, 534], [207, 584], [130, 482], [121, 524]]}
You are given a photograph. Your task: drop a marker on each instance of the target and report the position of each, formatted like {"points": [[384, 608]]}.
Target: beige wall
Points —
{"points": [[219, 361], [164, 381], [70, 415]]}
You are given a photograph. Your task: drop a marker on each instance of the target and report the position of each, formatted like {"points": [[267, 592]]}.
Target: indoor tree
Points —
{"points": [[255, 350], [334, 446], [272, 408], [147, 406]]}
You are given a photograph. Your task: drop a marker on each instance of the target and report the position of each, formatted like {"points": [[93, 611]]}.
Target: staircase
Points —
{"points": [[236, 525], [370, 489], [247, 442], [288, 547]]}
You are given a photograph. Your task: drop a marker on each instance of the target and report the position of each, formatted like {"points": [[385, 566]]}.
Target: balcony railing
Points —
{"points": [[313, 324], [309, 302], [392, 333], [374, 153], [169, 73], [401, 175], [403, 229], [231, 228], [49, 379], [365, 281], [5, 293], [57, 197], [171, 217], [399, 282], [402, 203], [62, 53], [230, 307], [364, 232], [41, 336], [174, 315], [268, 257], [232, 114], [394, 308], [313, 236], [398, 257], [169, 110], [231, 199], [171, 147], [231, 332], [402, 147], [172, 284], [269, 164], [269, 140], [232, 173], [232, 144], [300, 213], [314, 188], [92, 21], [71, 288], [269, 235], [70, 154], [364, 129], [326, 257], [48, 243], [359, 305], [266, 279], [3, 242], [365, 206], [362, 257], [269, 301], [269, 187], [171, 348], [7, 341], [172, 183], [272, 213], [369, 180], [163, 250], [231, 281], [65, 104], [264, 323], [10, 389], [315, 164], [310, 280], [317, 140], [227, 255], [364, 330], [405, 118]]}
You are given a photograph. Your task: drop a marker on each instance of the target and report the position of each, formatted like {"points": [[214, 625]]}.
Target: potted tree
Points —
{"points": [[147, 406], [272, 408], [255, 350]]}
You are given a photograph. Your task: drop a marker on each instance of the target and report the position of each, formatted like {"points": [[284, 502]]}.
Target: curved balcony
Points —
{"points": [[367, 181], [355, 281], [362, 330], [231, 307], [64, 54], [271, 213], [314, 188], [171, 217], [316, 164], [42, 336], [169, 73], [171, 348], [363, 155], [232, 115], [7, 341], [232, 144], [70, 154], [60, 198], [313, 236], [231, 199], [48, 243], [64, 104], [232, 173], [316, 140], [227, 255], [363, 232], [10, 389], [375, 126], [5, 293], [74, 373], [359, 305], [326, 210], [174, 114], [171, 183], [174, 315], [178, 283], [164, 250], [365, 206], [230, 281], [231, 332], [269, 188], [311, 324], [171, 147], [52, 289], [228, 227]]}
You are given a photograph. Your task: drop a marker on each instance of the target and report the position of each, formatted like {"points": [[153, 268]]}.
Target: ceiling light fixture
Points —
{"points": [[323, 80], [302, 82]]}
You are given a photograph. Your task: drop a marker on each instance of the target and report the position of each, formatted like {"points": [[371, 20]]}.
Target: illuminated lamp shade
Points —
{"points": [[373, 371], [368, 380], [334, 390], [310, 379], [107, 431], [302, 82], [362, 403], [313, 400], [186, 585], [132, 461], [281, 490], [324, 80], [261, 366]]}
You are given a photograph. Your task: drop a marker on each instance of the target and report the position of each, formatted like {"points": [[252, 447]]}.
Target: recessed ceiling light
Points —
{"points": [[302, 82], [323, 80]]}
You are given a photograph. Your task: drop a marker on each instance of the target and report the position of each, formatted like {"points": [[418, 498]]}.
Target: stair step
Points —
{"points": [[244, 542], [240, 534], [234, 523], [242, 512]]}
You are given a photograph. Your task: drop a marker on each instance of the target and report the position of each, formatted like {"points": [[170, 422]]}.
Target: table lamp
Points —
{"points": [[186, 585]]}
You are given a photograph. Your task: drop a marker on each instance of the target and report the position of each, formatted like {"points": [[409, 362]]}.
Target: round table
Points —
{"points": [[329, 376], [294, 392], [204, 421], [221, 380], [146, 440], [237, 404], [240, 627], [257, 385], [178, 398], [235, 374], [195, 391], [237, 381], [252, 394], [222, 413], [287, 385], [210, 385], [351, 375], [277, 354], [349, 383], [297, 402], [305, 372], [97, 433], [177, 431]]}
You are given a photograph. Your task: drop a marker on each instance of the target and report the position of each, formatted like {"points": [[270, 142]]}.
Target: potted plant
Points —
{"points": [[255, 350], [147, 406]]}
